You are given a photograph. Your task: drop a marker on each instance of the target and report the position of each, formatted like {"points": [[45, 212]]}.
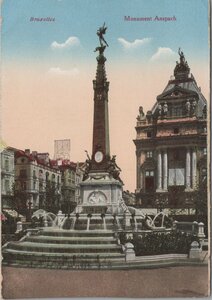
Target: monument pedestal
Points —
{"points": [[101, 194]]}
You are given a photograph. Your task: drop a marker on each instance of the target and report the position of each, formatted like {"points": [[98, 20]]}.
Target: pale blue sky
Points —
{"points": [[31, 41], [48, 68]]}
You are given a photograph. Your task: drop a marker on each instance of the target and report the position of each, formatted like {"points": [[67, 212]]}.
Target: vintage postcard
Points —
{"points": [[105, 148]]}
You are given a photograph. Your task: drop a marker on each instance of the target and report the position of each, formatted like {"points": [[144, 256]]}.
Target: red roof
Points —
{"points": [[31, 157], [52, 163]]}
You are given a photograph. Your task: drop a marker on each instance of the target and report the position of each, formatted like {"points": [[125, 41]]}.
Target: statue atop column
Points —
{"points": [[103, 44], [100, 32]]}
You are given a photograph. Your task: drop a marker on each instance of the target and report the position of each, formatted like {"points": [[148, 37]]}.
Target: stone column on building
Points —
{"points": [[188, 169], [159, 171], [139, 185], [165, 170], [141, 179], [194, 168]]}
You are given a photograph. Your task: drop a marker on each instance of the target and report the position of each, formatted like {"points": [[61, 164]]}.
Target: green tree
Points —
{"points": [[200, 202], [52, 197]]}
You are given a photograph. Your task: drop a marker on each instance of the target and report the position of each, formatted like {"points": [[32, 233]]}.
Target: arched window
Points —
{"points": [[6, 164], [53, 177], [34, 174], [47, 176], [40, 174]]}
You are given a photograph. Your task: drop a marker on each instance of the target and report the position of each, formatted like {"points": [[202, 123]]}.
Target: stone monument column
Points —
{"points": [[101, 188], [194, 168], [159, 171], [188, 169], [165, 170], [101, 120]]}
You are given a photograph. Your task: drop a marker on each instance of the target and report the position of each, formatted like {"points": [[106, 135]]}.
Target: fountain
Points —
{"points": [[85, 235], [73, 223], [118, 223], [47, 217], [161, 213], [88, 222], [62, 223], [136, 224], [104, 223]]}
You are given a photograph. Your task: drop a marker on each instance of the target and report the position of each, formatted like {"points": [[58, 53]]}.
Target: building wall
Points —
{"points": [[31, 178], [7, 177], [80, 170], [171, 144], [68, 187]]}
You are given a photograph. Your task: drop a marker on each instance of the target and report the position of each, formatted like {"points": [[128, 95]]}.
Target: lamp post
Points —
{"points": [[29, 204], [58, 195]]}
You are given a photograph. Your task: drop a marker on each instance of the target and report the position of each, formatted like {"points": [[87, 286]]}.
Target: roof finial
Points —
{"points": [[182, 57], [182, 69]]}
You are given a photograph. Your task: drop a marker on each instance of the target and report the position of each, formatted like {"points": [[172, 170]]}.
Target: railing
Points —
{"points": [[190, 227]]}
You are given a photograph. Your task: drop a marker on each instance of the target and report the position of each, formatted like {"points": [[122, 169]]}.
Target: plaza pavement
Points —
{"points": [[182, 281]]}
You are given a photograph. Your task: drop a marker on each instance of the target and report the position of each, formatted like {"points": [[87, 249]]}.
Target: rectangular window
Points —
{"points": [[23, 185], [204, 151], [176, 176], [34, 174], [6, 164], [176, 111], [149, 154], [149, 181], [149, 134], [23, 173], [7, 185], [176, 130], [149, 173]]}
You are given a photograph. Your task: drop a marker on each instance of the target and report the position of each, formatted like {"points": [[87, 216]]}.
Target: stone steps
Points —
{"points": [[64, 248], [61, 256], [58, 248], [77, 233], [60, 260], [71, 240]]}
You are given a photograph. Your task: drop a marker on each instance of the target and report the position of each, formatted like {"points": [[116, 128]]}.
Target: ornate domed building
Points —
{"points": [[171, 145]]}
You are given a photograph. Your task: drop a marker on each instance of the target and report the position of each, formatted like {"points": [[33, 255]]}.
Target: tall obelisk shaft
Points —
{"points": [[101, 144]]}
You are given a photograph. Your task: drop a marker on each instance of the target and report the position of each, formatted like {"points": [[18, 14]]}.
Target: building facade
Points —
{"points": [[71, 176], [171, 145], [68, 185], [31, 180], [79, 175], [37, 181], [7, 177]]}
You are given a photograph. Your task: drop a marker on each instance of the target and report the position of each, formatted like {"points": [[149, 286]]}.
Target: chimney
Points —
{"points": [[27, 151]]}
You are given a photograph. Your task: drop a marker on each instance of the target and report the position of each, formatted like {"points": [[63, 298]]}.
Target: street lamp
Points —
{"points": [[58, 195], [29, 205]]}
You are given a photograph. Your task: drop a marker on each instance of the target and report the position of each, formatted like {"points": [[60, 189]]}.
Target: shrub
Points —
{"points": [[162, 243]]}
